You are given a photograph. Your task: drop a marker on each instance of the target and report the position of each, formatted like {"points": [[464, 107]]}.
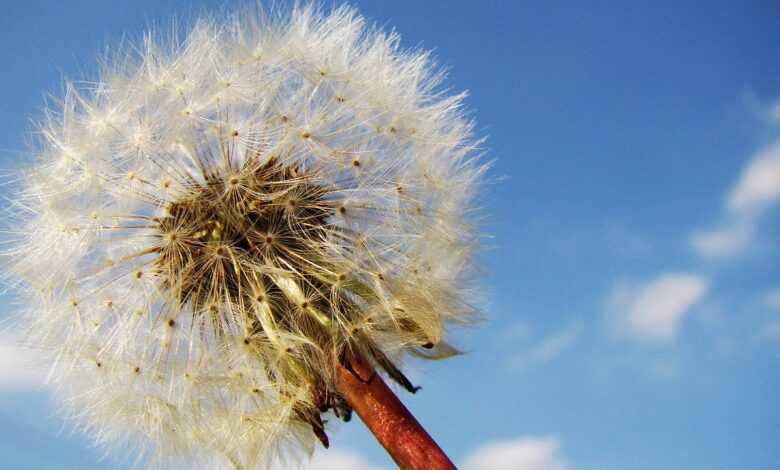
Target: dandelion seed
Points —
{"points": [[177, 212]]}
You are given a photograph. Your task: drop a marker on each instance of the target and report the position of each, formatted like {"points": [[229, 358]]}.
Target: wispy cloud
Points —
{"points": [[655, 309], [759, 186], [546, 350], [727, 239], [20, 369], [756, 191], [522, 453]]}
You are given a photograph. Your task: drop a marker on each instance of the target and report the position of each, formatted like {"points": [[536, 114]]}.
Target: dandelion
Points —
{"points": [[225, 235]]}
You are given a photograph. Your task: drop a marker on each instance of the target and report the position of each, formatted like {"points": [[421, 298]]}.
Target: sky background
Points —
{"points": [[632, 264]]}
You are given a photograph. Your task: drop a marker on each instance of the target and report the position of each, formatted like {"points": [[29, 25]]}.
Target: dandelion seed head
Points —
{"points": [[209, 225]]}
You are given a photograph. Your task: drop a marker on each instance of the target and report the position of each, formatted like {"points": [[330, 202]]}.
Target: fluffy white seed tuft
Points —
{"points": [[209, 225]]}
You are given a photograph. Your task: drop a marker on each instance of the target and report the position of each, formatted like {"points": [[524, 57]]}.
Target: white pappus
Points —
{"points": [[207, 226]]}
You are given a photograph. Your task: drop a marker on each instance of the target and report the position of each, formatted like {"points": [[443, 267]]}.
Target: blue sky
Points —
{"points": [[632, 266]]}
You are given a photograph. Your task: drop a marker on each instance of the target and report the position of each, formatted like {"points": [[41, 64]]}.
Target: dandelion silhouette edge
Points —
{"points": [[212, 224]]}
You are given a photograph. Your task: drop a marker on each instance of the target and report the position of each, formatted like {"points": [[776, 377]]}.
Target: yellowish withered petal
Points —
{"points": [[442, 350], [293, 291]]}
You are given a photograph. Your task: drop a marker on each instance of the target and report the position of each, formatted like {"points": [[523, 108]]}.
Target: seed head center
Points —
{"points": [[220, 240]]}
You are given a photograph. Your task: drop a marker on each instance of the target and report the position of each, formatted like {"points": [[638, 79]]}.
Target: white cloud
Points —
{"points": [[756, 191], [656, 309], [759, 185], [726, 240], [340, 459], [19, 368], [522, 453], [547, 349]]}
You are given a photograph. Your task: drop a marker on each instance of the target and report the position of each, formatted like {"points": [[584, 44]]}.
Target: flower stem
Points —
{"points": [[387, 418]]}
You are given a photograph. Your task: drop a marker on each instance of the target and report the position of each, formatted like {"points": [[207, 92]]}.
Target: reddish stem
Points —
{"points": [[387, 418]]}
